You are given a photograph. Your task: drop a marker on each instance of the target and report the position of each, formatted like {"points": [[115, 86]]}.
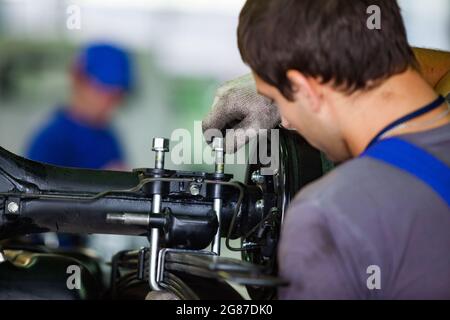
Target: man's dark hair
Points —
{"points": [[326, 39]]}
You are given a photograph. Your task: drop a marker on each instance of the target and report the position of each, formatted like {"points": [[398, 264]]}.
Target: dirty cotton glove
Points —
{"points": [[237, 105]]}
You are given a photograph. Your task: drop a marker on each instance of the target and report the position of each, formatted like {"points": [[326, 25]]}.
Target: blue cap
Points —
{"points": [[108, 65]]}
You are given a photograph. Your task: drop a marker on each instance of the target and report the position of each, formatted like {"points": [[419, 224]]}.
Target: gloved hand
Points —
{"points": [[238, 106]]}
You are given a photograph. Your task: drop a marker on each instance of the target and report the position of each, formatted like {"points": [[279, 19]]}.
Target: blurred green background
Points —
{"points": [[181, 50]]}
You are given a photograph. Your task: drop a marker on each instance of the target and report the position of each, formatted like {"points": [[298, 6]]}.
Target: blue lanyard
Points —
{"points": [[416, 161], [411, 158], [428, 108]]}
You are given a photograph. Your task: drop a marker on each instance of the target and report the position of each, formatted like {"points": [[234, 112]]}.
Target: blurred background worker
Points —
{"points": [[79, 133]]}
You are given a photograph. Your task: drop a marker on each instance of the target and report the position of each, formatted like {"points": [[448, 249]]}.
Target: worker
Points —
{"points": [[377, 226], [78, 134]]}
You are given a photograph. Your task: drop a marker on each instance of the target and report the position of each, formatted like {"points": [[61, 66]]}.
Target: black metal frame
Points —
{"points": [[48, 198]]}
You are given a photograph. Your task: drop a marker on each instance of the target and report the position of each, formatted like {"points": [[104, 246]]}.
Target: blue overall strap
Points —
{"points": [[416, 161]]}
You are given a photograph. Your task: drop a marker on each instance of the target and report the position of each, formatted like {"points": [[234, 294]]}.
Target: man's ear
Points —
{"points": [[304, 88]]}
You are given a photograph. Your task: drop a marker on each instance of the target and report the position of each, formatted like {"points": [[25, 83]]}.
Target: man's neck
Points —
{"points": [[79, 110], [370, 112]]}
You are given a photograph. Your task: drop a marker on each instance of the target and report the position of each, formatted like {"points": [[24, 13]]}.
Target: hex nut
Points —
{"points": [[160, 144]]}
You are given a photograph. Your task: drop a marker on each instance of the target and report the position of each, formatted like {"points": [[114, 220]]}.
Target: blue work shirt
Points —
{"points": [[64, 141]]}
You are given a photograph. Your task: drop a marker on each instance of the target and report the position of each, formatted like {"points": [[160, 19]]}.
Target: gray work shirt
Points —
{"points": [[368, 230]]}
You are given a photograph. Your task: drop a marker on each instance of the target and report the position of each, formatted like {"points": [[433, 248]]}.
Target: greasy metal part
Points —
{"points": [[218, 150]]}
